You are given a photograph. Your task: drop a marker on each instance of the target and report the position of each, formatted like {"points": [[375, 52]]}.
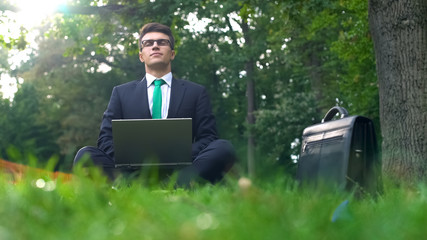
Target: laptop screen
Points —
{"points": [[152, 142]]}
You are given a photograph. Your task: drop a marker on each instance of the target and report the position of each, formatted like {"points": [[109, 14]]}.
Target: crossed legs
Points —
{"points": [[211, 164]]}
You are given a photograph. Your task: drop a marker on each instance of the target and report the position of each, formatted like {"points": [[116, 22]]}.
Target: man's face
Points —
{"points": [[156, 56]]}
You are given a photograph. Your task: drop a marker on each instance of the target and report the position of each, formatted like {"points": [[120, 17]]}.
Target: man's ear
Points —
{"points": [[173, 55], [141, 58]]}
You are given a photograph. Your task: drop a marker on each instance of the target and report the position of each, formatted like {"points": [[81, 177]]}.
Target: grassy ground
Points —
{"points": [[92, 208]]}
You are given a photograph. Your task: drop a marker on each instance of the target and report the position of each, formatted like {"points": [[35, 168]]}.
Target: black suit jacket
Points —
{"points": [[187, 100]]}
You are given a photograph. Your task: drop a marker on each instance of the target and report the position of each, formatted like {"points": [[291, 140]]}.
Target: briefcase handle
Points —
{"points": [[333, 111]]}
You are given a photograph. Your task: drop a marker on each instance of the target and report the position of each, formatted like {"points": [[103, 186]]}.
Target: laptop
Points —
{"points": [[152, 142]]}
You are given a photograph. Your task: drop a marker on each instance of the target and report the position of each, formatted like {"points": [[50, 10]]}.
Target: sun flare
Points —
{"points": [[31, 12]]}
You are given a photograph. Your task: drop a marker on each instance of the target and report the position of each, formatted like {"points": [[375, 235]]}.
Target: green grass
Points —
{"points": [[92, 208]]}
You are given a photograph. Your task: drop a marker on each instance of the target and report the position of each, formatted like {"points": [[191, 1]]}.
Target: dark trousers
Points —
{"points": [[211, 164]]}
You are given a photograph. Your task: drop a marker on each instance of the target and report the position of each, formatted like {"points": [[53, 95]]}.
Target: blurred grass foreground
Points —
{"points": [[40, 205]]}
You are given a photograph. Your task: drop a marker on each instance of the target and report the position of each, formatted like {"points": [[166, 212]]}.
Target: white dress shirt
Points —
{"points": [[166, 92]]}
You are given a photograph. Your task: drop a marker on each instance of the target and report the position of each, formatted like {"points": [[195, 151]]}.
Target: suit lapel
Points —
{"points": [[143, 98], [177, 94]]}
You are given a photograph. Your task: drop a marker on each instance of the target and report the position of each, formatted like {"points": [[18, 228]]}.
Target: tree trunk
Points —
{"points": [[250, 91], [399, 31], [250, 94]]}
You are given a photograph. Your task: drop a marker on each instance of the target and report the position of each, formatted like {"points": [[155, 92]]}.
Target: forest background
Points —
{"points": [[271, 68]]}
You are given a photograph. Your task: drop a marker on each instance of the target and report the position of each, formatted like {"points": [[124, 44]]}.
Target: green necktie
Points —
{"points": [[157, 99]]}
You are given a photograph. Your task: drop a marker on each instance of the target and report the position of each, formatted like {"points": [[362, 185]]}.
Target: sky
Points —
{"points": [[31, 13]]}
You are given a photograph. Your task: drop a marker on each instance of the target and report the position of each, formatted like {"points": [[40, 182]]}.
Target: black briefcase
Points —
{"points": [[341, 152]]}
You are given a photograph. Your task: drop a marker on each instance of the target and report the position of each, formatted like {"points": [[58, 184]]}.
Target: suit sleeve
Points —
{"points": [[105, 139], [204, 128]]}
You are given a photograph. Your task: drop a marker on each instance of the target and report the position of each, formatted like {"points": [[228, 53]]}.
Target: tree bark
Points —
{"points": [[250, 94], [399, 31]]}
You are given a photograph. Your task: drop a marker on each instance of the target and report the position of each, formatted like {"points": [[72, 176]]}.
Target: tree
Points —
{"points": [[399, 30], [350, 59], [6, 40], [320, 51], [4, 121], [23, 130], [72, 92]]}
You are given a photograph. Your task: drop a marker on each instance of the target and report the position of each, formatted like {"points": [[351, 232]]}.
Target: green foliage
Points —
{"points": [[23, 130], [7, 41], [358, 81], [4, 109], [351, 64], [283, 124], [90, 208], [4, 64]]}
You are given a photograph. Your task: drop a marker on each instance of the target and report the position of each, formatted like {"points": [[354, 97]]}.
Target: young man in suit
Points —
{"points": [[212, 157]]}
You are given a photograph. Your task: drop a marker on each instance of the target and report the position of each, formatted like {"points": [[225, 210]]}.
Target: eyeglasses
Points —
{"points": [[150, 42]]}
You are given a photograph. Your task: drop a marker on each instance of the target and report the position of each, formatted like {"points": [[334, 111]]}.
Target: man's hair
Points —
{"points": [[156, 27]]}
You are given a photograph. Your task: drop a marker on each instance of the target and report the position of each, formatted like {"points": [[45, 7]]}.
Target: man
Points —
{"points": [[212, 157]]}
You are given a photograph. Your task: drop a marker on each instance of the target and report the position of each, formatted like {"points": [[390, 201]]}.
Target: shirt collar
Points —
{"points": [[167, 78]]}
